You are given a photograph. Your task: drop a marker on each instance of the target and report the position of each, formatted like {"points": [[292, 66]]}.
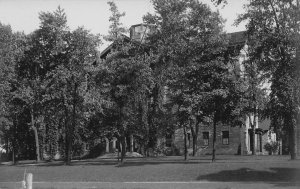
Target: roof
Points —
{"points": [[258, 131], [263, 126], [107, 50], [141, 24], [236, 38]]}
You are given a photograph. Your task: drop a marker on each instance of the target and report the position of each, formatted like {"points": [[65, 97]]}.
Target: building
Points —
{"points": [[230, 140]]}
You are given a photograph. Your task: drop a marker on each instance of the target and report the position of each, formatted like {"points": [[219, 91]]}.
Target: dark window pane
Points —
{"points": [[205, 138], [225, 137]]}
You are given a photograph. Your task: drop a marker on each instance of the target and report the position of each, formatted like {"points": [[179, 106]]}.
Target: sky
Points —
{"points": [[22, 15]]}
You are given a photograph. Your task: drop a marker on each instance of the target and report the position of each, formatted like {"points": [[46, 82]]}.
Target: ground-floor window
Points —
{"points": [[169, 140], [205, 138], [225, 137]]}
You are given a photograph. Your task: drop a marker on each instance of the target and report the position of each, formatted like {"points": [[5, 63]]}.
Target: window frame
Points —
{"points": [[205, 139], [224, 141]]}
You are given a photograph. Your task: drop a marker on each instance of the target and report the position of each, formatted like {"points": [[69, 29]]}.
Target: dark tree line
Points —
{"points": [[56, 91]]}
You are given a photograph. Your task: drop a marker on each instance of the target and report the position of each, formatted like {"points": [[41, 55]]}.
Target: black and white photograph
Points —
{"points": [[149, 94]]}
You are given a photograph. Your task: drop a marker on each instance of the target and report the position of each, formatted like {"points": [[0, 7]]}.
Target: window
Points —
{"points": [[169, 140], [205, 138], [225, 137]]}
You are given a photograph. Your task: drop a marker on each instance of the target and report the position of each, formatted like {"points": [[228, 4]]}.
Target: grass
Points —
{"points": [[249, 169]]}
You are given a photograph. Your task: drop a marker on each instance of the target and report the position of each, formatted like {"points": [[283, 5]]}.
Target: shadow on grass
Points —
{"points": [[278, 176], [131, 164], [116, 163]]}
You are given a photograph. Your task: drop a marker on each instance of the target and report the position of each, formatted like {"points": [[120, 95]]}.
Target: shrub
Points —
{"points": [[271, 147]]}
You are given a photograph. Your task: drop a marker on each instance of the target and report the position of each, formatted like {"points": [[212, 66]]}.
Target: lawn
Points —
{"points": [[246, 169]]}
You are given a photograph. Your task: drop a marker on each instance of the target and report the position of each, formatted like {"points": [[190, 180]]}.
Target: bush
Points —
{"points": [[95, 151], [271, 147]]}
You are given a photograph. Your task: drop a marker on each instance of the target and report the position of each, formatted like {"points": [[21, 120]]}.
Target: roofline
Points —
{"points": [[142, 24], [106, 49], [125, 36], [111, 45]]}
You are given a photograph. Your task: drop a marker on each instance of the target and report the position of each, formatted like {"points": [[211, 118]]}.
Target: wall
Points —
{"points": [[232, 148]]}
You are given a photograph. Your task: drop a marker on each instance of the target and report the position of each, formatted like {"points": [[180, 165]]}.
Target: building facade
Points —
{"points": [[229, 140]]}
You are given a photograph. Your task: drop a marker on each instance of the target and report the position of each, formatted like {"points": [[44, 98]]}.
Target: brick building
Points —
{"points": [[230, 140]]}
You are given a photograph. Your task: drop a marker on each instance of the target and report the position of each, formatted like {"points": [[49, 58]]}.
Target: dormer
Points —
{"points": [[140, 32]]}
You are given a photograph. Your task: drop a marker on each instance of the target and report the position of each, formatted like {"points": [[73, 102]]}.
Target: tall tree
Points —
{"points": [[70, 85], [116, 28], [30, 92], [57, 59], [191, 50], [275, 25], [12, 46], [255, 91], [130, 82], [41, 56], [7, 75]]}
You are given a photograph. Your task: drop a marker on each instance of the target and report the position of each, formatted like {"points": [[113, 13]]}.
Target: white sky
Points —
{"points": [[22, 15]]}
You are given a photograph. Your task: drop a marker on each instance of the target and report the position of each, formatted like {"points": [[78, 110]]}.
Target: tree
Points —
{"points": [[57, 62], [218, 2], [30, 92], [11, 50], [7, 61], [129, 79], [275, 25], [41, 56], [115, 29], [254, 96], [181, 115], [191, 50], [70, 82]]}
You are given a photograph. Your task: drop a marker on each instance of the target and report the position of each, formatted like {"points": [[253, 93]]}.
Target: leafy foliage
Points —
{"points": [[275, 27], [271, 147], [115, 29], [191, 61]]}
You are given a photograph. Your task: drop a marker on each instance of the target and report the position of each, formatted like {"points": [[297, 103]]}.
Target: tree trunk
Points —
{"points": [[194, 135], [195, 138], [14, 160], [280, 146], [67, 139], [7, 147], [37, 146], [123, 149], [185, 143], [69, 149], [214, 139], [118, 144], [253, 126], [293, 141], [194, 144], [118, 155], [293, 145], [71, 128], [131, 143], [36, 137], [298, 133], [14, 156], [253, 141], [68, 145]]}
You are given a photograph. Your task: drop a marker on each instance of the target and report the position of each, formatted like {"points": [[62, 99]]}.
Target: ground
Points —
{"points": [[163, 172]]}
